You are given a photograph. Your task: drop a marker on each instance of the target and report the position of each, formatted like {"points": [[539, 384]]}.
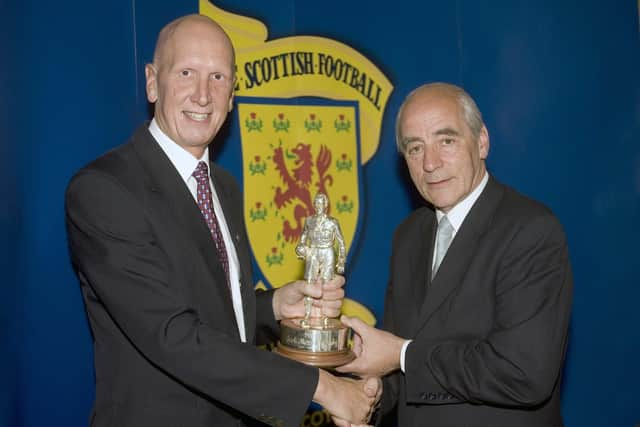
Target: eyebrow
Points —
{"points": [[447, 132], [406, 141]]}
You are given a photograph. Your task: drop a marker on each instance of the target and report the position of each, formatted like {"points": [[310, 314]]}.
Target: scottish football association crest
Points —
{"points": [[309, 112]]}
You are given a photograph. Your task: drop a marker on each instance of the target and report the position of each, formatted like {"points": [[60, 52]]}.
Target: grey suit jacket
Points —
{"points": [[490, 331], [166, 343]]}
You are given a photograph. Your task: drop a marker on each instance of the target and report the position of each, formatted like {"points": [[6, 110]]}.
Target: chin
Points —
{"points": [[438, 203], [199, 139]]}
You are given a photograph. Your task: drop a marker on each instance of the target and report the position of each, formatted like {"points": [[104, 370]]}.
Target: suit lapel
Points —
{"points": [[167, 192], [462, 250], [421, 258]]}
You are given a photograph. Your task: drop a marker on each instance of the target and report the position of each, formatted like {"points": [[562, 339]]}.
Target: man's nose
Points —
{"points": [[201, 94], [431, 159]]}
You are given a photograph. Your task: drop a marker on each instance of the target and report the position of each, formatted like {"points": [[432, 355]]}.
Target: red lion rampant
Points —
{"points": [[298, 182]]}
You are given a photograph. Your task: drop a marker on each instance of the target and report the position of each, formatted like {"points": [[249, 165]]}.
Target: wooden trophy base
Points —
{"points": [[319, 342]]}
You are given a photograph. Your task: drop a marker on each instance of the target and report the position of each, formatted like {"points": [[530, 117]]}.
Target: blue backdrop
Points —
{"points": [[557, 81]]}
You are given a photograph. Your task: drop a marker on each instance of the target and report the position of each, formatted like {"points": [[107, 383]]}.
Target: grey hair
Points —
{"points": [[470, 111]]}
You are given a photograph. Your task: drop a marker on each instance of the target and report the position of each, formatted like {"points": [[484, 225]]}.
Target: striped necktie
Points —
{"points": [[205, 203]]}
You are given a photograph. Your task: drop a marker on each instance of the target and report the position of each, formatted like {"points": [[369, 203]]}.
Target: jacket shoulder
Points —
{"points": [[120, 164], [413, 222], [516, 206]]}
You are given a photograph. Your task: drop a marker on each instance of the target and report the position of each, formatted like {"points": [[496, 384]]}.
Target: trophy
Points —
{"points": [[318, 341]]}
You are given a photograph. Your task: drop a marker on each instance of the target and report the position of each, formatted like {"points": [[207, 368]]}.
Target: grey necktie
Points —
{"points": [[443, 240]]}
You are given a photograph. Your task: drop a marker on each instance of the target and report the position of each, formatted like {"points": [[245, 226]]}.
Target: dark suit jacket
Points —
{"points": [[490, 331], [167, 348]]}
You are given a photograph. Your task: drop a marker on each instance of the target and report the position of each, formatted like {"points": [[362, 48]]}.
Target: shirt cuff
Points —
{"points": [[403, 351]]}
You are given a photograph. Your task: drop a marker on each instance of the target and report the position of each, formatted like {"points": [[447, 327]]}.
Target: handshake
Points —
{"points": [[350, 401]]}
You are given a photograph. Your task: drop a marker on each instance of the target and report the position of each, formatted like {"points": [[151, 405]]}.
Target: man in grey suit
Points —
{"points": [[479, 295], [157, 238]]}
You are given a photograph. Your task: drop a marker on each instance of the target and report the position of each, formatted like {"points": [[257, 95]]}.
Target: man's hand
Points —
{"points": [[371, 389], [327, 298], [350, 402], [377, 352]]}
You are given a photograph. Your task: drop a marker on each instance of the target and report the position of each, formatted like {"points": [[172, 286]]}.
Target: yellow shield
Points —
{"points": [[290, 152]]}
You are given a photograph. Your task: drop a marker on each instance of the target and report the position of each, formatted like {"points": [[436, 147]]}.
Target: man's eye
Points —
{"points": [[414, 149], [218, 77], [185, 73], [448, 143]]}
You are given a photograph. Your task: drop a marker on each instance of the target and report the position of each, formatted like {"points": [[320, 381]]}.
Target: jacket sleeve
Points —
{"points": [[267, 327], [391, 383], [114, 252], [519, 361]]}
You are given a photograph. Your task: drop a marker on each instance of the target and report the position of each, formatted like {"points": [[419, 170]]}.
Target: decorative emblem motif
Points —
{"points": [[341, 124], [344, 204], [281, 124], [253, 122], [275, 257], [296, 187], [258, 167], [257, 213], [344, 163], [312, 124]]}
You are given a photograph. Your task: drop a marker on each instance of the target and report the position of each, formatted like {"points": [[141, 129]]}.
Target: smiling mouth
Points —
{"points": [[199, 117]]}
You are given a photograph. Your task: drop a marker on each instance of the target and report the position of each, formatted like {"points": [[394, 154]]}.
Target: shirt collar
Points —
{"points": [[459, 212], [184, 162]]}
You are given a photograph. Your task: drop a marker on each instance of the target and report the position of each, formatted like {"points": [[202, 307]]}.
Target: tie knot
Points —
{"points": [[202, 172]]}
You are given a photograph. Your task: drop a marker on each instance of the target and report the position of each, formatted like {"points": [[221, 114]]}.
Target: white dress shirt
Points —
{"points": [[185, 163], [459, 212], [456, 216]]}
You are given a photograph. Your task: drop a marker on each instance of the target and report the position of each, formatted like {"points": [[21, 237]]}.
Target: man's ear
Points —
{"points": [[233, 93], [151, 73], [483, 143]]}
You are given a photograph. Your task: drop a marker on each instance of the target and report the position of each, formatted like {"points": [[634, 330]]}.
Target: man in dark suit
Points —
{"points": [[479, 296], [157, 238]]}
